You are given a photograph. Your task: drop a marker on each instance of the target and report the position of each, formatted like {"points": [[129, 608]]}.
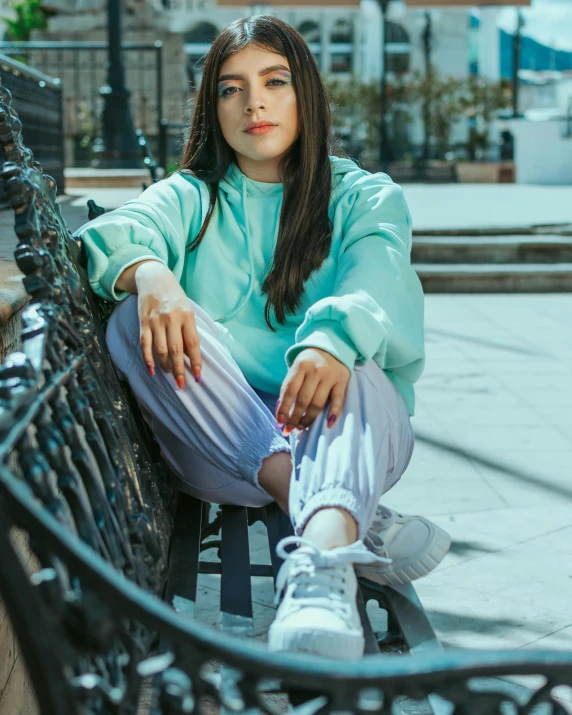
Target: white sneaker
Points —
{"points": [[414, 545], [318, 613]]}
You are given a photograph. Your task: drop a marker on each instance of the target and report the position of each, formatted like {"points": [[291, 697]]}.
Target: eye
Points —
{"points": [[226, 91], [276, 79]]}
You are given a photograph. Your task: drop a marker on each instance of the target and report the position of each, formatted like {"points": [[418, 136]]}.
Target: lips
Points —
{"points": [[258, 125]]}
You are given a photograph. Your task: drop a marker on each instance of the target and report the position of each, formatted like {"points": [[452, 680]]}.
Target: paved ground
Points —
{"points": [[493, 459], [492, 465], [466, 206], [433, 206]]}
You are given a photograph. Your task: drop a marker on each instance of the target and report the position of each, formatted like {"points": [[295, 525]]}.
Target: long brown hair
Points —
{"points": [[305, 233]]}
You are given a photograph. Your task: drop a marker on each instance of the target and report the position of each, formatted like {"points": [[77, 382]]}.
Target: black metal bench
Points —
{"points": [[104, 610]]}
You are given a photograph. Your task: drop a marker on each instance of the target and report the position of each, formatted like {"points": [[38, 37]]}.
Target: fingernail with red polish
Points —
{"points": [[287, 431], [332, 421], [197, 371], [180, 382], [151, 369]]}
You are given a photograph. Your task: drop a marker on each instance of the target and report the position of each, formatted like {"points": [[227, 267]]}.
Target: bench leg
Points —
{"points": [[181, 587]]}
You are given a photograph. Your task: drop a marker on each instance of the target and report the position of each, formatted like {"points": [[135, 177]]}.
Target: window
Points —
{"points": [[203, 32], [341, 62], [342, 31], [397, 48], [310, 31]]}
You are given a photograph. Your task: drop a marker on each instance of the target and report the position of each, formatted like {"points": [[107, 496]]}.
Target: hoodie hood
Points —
{"points": [[235, 184]]}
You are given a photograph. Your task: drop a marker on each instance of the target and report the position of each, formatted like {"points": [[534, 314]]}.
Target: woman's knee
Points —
{"points": [[123, 331]]}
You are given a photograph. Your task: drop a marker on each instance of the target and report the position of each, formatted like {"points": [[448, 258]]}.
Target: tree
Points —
{"points": [[481, 102], [443, 95], [446, 101], [29, 16], [356, 110]]}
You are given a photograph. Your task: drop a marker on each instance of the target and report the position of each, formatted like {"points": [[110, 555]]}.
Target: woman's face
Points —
{"points": [[255, 85]]}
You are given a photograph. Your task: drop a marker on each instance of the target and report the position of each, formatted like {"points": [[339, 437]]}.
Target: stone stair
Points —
{"points": [[523, 262]]}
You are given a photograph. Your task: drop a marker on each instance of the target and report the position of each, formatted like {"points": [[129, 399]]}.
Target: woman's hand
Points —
{"points": [[167, 321], [315, 377]]}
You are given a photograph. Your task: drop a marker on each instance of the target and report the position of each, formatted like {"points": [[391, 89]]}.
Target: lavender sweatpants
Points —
{"points": [[216, 434]]}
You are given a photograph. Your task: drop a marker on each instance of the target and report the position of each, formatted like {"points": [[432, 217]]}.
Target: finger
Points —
{"points": [[318, 403], [336, 403], [303, 400], [160, 347], [193, 346], [146, 340], [176, 354], [290, 386]]}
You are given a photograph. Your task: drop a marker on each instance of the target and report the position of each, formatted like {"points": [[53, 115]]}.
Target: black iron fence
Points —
{"points": [[81, 68], [38, 100]]}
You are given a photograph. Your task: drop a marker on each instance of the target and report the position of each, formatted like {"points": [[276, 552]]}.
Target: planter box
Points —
{"points": [[486, 172]]}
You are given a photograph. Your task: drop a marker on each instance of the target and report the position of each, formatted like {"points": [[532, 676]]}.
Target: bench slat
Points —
{"points": [[371, 646], [181, 587], [235, 593]]}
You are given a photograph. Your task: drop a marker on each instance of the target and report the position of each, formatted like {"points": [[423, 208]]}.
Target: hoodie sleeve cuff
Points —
{"points": [[126, 256], [326, 335]]}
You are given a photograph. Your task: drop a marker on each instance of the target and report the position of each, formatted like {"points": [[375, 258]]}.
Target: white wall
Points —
{"points": [[543, 155], [450, 54], [489, 43]]}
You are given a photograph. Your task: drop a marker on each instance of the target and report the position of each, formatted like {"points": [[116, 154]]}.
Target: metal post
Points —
{"points": [[163, 140], [383, 158], [427, 39], [117, 148], [516, 42], [161, 150]]}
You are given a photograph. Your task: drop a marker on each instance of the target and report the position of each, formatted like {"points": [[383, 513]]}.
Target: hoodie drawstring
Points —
{"points": [[250, 288]]}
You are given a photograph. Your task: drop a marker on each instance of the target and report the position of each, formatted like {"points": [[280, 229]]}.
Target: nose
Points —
{"points": [[253, 102]]}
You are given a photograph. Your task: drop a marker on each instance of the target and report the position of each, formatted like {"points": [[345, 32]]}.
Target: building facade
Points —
{"points": [[344, 38], [346, 41]]}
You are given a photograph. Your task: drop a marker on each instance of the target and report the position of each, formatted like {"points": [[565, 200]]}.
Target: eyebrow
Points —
{"points": [[267, 70]]}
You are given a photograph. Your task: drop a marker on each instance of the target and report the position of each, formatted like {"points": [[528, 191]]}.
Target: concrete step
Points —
{"points": [[80, 177], [492, 249], [13, 299], [552, 229], [491, 278]]}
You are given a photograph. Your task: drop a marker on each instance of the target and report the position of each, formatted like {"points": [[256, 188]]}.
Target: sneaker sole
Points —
{"points": [[408, 570], [338, 646]]}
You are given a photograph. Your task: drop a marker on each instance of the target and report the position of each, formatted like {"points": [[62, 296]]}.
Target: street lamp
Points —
{"points": [[383, 5], [427, 39], [117, 147], [516, 42]]}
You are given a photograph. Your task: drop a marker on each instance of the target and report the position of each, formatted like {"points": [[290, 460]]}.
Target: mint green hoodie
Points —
{"points": [[364, 302]]}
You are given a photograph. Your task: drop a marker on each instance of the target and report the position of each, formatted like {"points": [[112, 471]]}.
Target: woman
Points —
{"points": [[277, 329]]}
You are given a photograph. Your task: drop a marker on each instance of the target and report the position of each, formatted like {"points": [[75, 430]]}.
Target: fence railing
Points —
{"points": [[81, 68], [38, 100]]}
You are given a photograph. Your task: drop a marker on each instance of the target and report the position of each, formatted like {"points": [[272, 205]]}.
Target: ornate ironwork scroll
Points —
{"points": [[76, 477]]}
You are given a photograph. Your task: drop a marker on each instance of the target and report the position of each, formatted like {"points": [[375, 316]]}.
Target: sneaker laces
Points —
{"points": [[316, 570], [383, 519]]}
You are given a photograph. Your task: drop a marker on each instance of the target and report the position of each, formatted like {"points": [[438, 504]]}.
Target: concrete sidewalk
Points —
{"points": [[492, 465], [493, 459], [487, 206], [433, 207]]}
